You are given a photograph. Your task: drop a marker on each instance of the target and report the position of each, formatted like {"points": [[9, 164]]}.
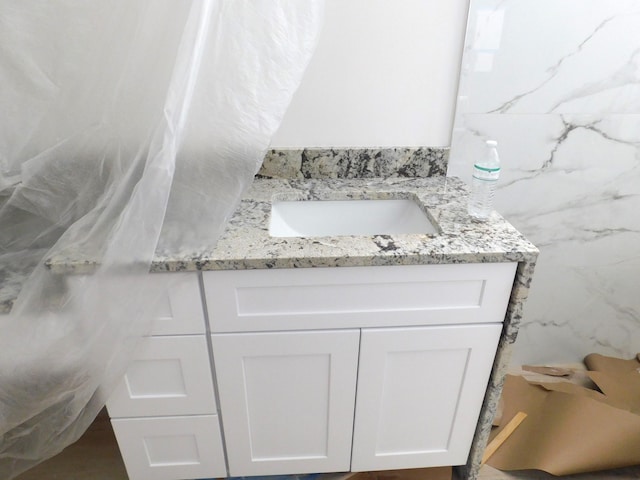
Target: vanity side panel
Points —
{"points": [[513, 317]]}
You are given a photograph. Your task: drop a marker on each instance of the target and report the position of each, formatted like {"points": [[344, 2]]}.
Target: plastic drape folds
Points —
{"points": [[127, 128]]}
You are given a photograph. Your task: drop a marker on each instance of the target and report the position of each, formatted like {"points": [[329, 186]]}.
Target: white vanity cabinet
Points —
{"points": [[164, 412], [402, 354], [287, 400], [420, 391]]}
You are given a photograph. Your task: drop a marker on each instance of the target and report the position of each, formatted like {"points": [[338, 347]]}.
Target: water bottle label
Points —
{"points": [[487, 169]]}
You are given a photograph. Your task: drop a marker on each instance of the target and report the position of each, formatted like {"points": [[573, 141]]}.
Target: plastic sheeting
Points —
{"points": [[125, 127]]}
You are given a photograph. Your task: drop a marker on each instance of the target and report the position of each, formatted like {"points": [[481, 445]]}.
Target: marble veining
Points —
{"points": [[355, 163], [567, 121], [571, 184], [508, 67], [566, 118]]}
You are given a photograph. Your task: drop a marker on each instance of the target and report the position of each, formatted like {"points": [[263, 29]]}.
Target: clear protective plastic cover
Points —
{"points": [[126, 127]]}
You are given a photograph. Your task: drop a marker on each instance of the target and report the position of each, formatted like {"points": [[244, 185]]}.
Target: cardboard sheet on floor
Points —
{"points": [[572, 429]]}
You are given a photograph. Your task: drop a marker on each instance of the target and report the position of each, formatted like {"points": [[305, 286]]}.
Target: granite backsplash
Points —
{"points": [[307, 163]]}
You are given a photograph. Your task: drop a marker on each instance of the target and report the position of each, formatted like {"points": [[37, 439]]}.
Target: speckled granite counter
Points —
{"points": [[246, 243]]}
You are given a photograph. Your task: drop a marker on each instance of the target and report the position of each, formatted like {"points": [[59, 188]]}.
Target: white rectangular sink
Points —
{"points": [[326, 218]]}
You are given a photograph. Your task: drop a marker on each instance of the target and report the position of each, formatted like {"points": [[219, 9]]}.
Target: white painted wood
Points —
{"points": [[170, 448], [287, 400], [420, 391], [168, 376], [350, 297], [178, 308]]}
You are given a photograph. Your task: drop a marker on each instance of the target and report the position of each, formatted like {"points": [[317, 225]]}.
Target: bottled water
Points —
{"points": [[483, 184]]}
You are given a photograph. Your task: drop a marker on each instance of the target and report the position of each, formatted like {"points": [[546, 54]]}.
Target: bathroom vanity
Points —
{"points": [[284, 355], [308, 354]]}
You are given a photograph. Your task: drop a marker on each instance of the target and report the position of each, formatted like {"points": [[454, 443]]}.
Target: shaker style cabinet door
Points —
{"points": [[419, 394], [287, 400]]}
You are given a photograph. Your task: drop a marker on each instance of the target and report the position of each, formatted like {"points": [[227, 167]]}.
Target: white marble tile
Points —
{"points": [[549, 56], [571, 184]]}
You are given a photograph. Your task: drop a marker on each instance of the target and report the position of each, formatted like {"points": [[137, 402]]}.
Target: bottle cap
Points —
{"points": [[492, 143]]}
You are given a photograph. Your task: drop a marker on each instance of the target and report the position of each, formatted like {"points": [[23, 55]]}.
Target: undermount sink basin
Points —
{"points": [[324, 218]]}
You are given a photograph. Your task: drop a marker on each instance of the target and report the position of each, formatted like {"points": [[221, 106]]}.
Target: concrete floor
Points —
{"points": [[96, 457]]}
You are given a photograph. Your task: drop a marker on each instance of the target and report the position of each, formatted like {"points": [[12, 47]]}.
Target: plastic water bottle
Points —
{"points": [[483, 184]]}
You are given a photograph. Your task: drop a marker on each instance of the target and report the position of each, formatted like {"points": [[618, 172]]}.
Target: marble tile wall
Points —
{"points": [[557, 84]]}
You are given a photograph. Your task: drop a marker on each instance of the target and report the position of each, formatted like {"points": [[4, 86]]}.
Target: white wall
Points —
{"points": [[385, 73]]}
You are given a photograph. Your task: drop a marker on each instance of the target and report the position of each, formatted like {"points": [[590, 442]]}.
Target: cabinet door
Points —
{"points": [[287, 400], [420, 391]]}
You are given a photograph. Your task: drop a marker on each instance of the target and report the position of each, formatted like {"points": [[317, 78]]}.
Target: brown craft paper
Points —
{"points": [[600, 363], [621, 388], [552, 371], [572, 429]]}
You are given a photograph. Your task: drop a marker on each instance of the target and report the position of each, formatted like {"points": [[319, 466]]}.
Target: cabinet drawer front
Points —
{"points": [[420, 391], [167, 448], [168, 376], [178, 306], [287, 400], [312, 298]]}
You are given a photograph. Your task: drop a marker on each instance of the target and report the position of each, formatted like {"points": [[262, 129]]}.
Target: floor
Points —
{"points": [[488, 473], [96, 457]]}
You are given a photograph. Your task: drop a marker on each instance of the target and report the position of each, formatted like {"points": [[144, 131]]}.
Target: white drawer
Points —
{"points": [[178, 309], [168, 448], [168, 376], [347, 297]]}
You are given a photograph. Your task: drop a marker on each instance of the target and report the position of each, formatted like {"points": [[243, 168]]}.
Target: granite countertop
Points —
{"points": [[246, 243]]}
